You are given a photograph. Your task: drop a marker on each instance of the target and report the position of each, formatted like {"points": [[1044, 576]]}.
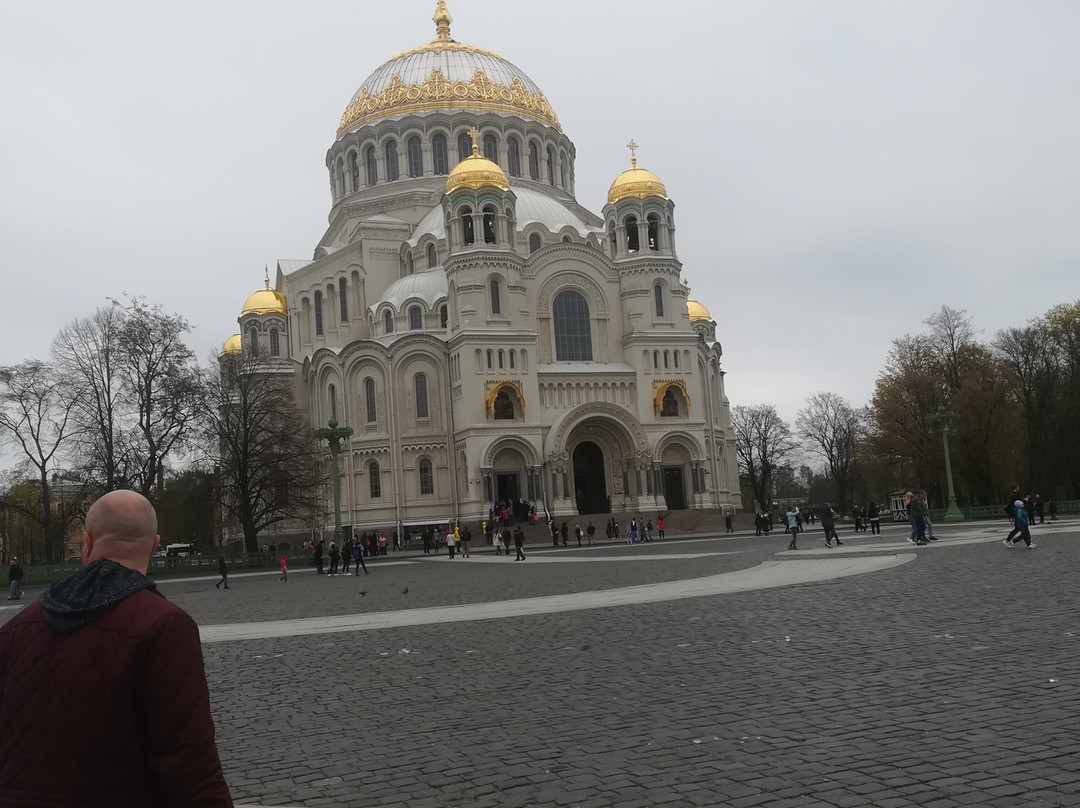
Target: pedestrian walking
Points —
{"points": [[577, 533], [590, 531], [660, 526], [15, 579], [358, 558], [1021, 521], [335, 557], [519, 543], [346, 556], [728, 522], [873, 515], [793, 527], [828, 524], [223, 570], [319, 558], [284, 568]]}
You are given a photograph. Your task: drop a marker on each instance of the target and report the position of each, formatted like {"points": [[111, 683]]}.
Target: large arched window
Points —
{"points": [[496, 303], [415, 154], [275, 343], [503, 408], [489, 224], [633, 244], [551, 165], [392, 172], [534, 160], [658, 299], [464, 146], [420, 389], [468, 236], [491, 148], [369, 399], [427, 479], [653, 223], [573, 334], [432, 256], [343, 299], [444, 317], [513, 157], [318, 314], [388, 321], [374, 480], [372, 165], [534, 242], [438, 155], [354, 170], [416, 318], [253, 341]]}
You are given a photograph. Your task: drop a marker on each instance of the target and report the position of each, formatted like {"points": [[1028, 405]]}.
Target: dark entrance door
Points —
{"points": [[506, 487], [590, 486], [674, 493]]}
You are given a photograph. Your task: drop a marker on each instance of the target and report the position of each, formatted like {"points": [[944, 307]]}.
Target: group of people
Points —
{"points": [[793, 524]]}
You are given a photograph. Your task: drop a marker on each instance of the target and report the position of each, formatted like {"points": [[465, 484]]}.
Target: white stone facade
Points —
{"points": [[488, 343]]}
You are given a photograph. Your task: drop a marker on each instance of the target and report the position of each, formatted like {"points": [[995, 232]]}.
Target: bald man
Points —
{"points": [[103, 696]]}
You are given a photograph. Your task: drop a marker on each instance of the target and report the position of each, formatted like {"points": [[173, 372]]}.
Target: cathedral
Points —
{"points": [[485, 336]]}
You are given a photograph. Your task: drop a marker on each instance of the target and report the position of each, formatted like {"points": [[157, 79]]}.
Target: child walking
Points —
{"points": [[284, 568]]}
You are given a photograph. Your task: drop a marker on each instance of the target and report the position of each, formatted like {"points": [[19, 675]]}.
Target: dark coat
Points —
{"points": [[113, 710]]}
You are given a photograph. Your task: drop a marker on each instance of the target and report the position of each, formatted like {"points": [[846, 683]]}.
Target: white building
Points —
{"points": [[484, 335]]}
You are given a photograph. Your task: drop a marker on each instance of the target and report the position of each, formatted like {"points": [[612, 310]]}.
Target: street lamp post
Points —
{"points": [[943, 421], [335, 436]]}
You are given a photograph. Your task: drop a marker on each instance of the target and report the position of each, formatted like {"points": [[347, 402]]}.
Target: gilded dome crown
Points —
{"points": [[634, 182], [233, 345], [476, 172], [697, 311], [265, 301]]}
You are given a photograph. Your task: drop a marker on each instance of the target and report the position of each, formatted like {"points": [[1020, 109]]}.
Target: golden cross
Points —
{"points": [[474, 133], [266, 275], [633, 147]]}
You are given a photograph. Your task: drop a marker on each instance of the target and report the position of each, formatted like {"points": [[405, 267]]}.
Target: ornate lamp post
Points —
{"points": [[943, 421], [335, 436]]}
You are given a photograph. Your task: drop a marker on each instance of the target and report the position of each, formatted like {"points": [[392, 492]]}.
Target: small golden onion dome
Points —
{"points": [[266, 301], [697, 311], [476, 172], [634, 182], [233, 345]]}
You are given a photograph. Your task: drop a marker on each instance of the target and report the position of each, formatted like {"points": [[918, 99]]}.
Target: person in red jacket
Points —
{"points": [[103, 678]]}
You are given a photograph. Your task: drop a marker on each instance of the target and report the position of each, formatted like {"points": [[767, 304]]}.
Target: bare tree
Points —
{"points": [[762, 444], [88, 354], [829, 427], [164, 383], [34, 418], [269, 469]]}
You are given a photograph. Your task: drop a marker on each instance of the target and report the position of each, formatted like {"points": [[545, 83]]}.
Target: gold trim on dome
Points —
{"points": [[233, 345], [697, 311], [662, 387], [439, 92], [493, 391]]}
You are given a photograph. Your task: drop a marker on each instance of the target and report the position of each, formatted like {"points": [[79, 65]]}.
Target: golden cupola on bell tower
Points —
{"points": [[639, 216]]}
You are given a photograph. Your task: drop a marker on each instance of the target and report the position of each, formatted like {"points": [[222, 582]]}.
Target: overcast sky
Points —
{"points": [[840, 169]]}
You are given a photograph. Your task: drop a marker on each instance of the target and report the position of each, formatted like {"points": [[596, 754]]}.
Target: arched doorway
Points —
{"points": [[675, 462], [590, 483], [508, 467]]}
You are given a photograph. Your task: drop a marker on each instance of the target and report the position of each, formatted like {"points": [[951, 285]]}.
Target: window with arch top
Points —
{"points": [[439, 157], [432, 256], [415, 154], [658, 299], [388, 321], [670, 406], [633, 243], [489, 224], [253, 341], [468, 236], [369, 399], [374, 480], [573, 333], [653, 231], [421, 391], [444, 317], [503, 409], [534, 242], [372, 165], [464, 146], [551, 165], [343, 299], [534, 160], [275, 343], [513, 157], [491, 148], [331, 397], [354, 170], [416, 318], [496, 303], [427, 479], [318, 314], [392, 172]]}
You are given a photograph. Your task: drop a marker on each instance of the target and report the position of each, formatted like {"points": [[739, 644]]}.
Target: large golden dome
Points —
{"points": [[697, 311], [233, 345], [265, 301], [476, 172], [634, 182], [444, 75]]}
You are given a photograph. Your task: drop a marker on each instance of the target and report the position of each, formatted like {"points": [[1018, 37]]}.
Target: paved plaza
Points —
{"points": [[697, 671]]}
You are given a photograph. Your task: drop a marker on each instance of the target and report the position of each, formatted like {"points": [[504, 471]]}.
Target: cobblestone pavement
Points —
{"points": [[952, 680]]}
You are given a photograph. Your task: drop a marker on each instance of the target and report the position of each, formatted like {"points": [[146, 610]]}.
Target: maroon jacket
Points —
{"points": [[114, 712]]}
